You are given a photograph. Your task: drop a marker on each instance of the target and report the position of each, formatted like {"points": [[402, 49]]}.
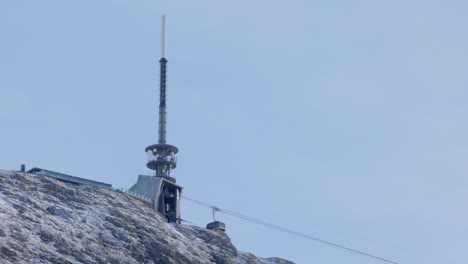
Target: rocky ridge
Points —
{"points": [[43, 220]]}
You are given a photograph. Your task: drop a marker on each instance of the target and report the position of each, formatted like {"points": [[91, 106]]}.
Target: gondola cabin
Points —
{"points": [[216, 226]]}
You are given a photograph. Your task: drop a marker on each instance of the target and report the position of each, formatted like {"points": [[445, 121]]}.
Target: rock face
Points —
{"points": [[43, 220]]}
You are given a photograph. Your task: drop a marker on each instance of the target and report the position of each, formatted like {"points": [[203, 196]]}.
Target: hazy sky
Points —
{"points": [[345, 120]]}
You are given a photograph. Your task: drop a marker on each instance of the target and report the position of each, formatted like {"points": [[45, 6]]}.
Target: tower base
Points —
{"points": [[164, 193]]}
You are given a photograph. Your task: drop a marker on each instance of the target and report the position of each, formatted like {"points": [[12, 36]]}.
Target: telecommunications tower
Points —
{"points": [[161, 189], [161, 156]]}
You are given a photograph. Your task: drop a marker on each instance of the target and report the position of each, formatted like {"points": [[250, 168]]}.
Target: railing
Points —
{"points": [[136, 195], [73, 179], [170, 158]]}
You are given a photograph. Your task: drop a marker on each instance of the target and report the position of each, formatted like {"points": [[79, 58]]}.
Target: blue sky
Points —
{"points": [[345, 120]]}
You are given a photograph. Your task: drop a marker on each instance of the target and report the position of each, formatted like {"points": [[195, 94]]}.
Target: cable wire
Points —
{"points": [[279, 228]]}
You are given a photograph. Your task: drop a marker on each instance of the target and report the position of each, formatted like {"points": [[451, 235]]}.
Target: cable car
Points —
{"points": [[216, 225]]}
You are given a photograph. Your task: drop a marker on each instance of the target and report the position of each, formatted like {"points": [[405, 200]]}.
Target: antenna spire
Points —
{"points": [[163, 36], [162, 83]]}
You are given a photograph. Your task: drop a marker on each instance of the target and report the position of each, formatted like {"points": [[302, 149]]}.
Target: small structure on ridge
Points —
{"points": [[66, 178]]}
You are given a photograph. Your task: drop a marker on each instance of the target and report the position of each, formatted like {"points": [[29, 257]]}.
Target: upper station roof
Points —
{"points": [[69, 178]]}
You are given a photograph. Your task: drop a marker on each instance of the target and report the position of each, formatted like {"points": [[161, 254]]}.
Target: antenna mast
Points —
{"points": [[162, 83], [161, 156]]}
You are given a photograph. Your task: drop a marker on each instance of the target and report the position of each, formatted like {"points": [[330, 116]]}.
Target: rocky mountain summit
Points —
{"points": [[43, 220]]}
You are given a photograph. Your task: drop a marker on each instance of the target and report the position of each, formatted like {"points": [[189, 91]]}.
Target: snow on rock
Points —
{"points": [[43, 220]]}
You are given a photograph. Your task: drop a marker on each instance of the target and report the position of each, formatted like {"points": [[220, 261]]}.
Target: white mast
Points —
{"points": [[163, 36]]}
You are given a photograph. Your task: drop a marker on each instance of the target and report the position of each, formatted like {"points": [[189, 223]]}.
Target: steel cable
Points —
{"points": [[279, 228]]}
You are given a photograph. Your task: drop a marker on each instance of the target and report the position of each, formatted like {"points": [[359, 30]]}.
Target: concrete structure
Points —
{"points": [[164, 194], [161, 188], [69, 178]]}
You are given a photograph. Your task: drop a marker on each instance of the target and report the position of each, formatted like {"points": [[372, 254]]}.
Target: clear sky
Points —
{"points": [[345, 120]]}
